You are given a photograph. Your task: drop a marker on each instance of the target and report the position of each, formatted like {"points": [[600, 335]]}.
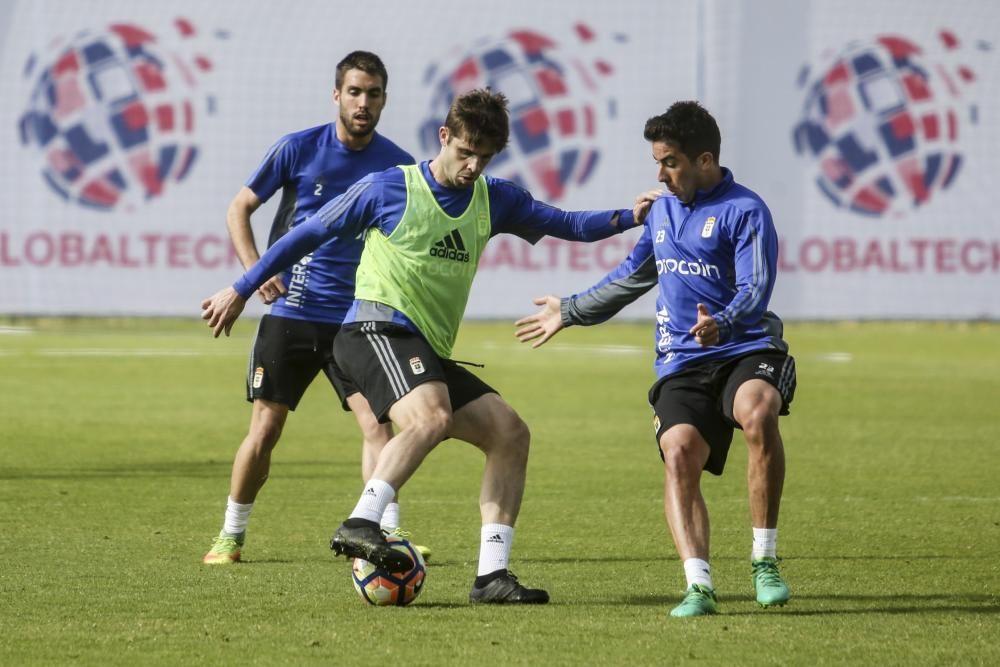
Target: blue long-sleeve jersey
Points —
{"points": [[378, 201], [721, 251], [311, 167]]}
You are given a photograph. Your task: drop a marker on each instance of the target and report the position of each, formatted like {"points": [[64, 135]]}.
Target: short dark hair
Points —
{"points": [[689, 126], [480, 116], [366, 61]]}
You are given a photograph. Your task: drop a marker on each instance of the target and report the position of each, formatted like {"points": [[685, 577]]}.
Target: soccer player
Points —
{"points": [[426, 227], [720, 358], [295, 341]]}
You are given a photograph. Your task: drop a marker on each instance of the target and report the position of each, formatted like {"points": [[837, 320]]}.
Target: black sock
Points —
{"points": [[484, 579], [358, 522]]}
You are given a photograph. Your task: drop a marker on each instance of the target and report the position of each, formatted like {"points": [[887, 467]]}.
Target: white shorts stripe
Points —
{"points": [[383, 350], [786, 377]]}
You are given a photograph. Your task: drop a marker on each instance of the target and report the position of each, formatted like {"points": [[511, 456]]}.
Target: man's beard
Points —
{"points": [[348, 123]]}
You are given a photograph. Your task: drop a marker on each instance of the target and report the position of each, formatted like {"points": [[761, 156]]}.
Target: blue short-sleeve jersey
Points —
{"points": [[312, 167]]}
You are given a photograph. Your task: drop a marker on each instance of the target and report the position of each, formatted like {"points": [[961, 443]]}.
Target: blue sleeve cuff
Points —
{"points": [[626, 219], [725, 329], [244, 288]]}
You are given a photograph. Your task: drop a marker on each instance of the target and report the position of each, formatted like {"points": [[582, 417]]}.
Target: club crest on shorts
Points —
{"points": [[706, 231], [656, 424], [258, 377], [416, 365]]}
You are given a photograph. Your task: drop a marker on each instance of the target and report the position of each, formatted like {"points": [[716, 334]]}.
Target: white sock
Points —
{"points": [[390, 518], [765, 543], [494, 547], [697, 571], [237, 516], [374, 499]]}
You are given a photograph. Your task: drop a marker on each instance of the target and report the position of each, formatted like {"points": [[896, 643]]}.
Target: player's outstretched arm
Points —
{"points": [[241, 208], [222, 309], [543, 325]]}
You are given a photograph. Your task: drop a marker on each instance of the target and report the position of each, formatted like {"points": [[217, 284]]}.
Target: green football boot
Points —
{"points": [[425, 552], [699, 601], [771, 589], [225, 549]]}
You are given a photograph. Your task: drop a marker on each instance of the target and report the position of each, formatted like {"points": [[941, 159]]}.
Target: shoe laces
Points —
{"points": [[225, 543], [398, 532], [509, 576], [765, 571], [699, 591]]}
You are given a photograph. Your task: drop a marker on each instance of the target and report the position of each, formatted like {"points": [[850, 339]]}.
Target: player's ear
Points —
{"points": [[336, 96], [444, 135]]}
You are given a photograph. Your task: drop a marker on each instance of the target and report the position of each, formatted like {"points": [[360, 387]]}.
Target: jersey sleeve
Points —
{"points": [[755, 244], [274, 170], [515, 211], [346, 215], [635, 276]]}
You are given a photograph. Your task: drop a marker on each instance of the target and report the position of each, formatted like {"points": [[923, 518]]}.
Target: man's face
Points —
{"points": [[675, 170], [461, 162], [361, 98]]}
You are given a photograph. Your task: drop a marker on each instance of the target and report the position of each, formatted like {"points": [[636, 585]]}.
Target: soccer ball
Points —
{"points": [[382, 588]]}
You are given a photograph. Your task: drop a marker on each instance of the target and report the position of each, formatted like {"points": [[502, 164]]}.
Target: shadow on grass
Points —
{"points": [[656, 558], [206, 469], [903, 603], [265, 561], [666, 558]]}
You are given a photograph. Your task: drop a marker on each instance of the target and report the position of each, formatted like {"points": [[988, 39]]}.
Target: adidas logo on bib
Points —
{"points": [[451, 247]]}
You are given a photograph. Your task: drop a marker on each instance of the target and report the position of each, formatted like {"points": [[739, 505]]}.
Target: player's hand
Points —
{"points": [[271, 290], [705, 329], [221, 310], [543, 325], [643, 203]]}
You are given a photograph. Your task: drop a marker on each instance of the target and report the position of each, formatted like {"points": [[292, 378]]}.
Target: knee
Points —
{"points": [[683, 456], [373, 432], [515, 434], [434, 425], [265, 432], [759, 425]]}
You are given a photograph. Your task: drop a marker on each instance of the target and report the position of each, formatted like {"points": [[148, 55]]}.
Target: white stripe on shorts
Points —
{"points": [[383, 350], [786, 377]]}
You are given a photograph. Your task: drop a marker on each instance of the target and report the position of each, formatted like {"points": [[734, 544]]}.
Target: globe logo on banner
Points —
{"points": [[556, 104], [883, 121], [112, 114]]}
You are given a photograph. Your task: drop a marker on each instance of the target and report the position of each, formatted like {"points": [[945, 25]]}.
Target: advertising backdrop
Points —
{"points": [[870, 129]]}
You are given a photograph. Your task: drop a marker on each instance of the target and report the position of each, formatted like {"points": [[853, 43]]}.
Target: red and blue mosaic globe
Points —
{"points": [[555, 98], [112, 114], [881, 124]]}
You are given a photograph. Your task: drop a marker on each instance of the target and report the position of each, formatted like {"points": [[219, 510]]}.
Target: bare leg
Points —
{"points": [[756, 409], [374, 435], [253, 459], [424, 419], [491, 424], [684, 455]]}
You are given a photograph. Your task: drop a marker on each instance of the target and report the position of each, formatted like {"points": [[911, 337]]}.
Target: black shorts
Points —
{"points": [[703, 396], [386, 361], [286, 356]]}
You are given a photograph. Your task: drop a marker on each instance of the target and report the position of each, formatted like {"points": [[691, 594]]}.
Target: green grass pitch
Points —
{"points": [[117, 436]]}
